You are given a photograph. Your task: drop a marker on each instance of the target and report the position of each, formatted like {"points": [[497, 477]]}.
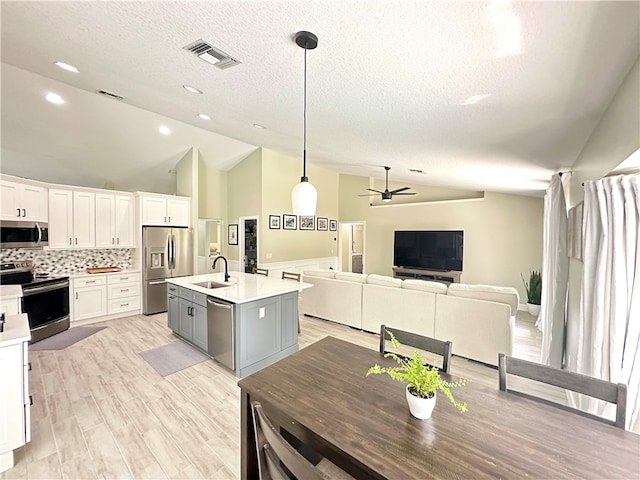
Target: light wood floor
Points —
{"points": [[100, 411]]}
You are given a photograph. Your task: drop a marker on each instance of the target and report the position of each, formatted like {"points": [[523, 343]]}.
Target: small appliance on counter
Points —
{"points": [[45, 298]]}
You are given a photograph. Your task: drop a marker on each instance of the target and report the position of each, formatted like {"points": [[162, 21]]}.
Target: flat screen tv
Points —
{"points": [[428, 249]]}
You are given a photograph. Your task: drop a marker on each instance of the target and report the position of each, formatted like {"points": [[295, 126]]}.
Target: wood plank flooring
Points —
{"points": [[100, 411]]}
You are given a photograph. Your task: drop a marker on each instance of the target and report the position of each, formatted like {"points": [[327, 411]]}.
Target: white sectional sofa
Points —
{"points": [[478, 319]]}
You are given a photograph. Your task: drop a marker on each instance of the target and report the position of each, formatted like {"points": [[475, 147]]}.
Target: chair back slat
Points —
{"points": [[273, 450], [427, 344], [262, 271], [576, 382], [292, 276]]}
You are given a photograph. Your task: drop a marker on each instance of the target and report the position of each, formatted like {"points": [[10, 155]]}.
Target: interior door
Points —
{"points": [[250, 245]]}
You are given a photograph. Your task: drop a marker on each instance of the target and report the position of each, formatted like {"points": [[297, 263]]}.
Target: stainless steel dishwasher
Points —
{"points": [[220, 331]]}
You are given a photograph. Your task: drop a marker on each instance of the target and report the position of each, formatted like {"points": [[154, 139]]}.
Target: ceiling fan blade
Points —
{"points": [[400, 189], [372, 190], [368, 194], [405, 193]]}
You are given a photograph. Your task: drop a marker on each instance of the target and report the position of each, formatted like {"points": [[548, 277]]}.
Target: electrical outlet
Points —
{"points": [[269, 255]]}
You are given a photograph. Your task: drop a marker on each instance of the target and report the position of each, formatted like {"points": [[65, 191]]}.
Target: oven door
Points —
{"points": [[23, 234], [46, 304]]}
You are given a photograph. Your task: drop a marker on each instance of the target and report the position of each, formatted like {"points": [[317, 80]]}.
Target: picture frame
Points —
{"points": [[289, 222], [322, 224], [274, 222], [232, 237], [307, 222], [333, 225]]}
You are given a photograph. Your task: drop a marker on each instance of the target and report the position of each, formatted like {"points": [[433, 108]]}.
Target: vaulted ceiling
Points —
{"points": [[479, 95]]}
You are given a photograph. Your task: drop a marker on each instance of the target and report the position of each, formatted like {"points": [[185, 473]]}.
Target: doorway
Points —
{"points": [[351, 257], [248, 244], [209, 243]]}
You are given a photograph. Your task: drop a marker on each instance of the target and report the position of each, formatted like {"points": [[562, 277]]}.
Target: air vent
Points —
{"points": [[211, 54], [110, 95]]}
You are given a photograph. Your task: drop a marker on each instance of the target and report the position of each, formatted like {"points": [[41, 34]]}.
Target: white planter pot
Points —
{"points": [[420, 407], [533, 309]]}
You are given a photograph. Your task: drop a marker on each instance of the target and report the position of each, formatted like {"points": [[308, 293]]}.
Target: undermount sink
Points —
{"points": [[212, 284]]}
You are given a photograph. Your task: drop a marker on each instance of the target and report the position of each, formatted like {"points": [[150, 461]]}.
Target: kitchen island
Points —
{"points": [[246, 324]]}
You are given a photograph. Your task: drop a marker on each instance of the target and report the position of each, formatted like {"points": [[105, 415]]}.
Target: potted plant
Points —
{"points": [[534, 291], [423, 382]]}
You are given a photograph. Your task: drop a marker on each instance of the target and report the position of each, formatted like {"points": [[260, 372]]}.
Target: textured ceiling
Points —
{"points": [[386, 86]]}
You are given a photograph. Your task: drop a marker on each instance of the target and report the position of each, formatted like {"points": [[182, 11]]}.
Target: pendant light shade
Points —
{"points": [[304, 196]]}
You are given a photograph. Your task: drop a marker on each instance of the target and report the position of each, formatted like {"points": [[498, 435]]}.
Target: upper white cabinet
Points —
{"points": [[165, 210], [72, 219], [25, 202], [114, 220]]}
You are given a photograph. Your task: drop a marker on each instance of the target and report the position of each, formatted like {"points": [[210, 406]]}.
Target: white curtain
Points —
{"points": [[609, 330], [555, 275]]}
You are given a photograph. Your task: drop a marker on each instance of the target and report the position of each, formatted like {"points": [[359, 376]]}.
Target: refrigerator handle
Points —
{"points": [[173, 252], [169, 252]]}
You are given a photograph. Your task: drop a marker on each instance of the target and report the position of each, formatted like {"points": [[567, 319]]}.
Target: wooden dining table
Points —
{"points": [[322, 396]]}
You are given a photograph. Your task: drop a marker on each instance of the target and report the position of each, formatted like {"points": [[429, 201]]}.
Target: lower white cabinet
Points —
{"points": [[99, 295], [14, 401]]}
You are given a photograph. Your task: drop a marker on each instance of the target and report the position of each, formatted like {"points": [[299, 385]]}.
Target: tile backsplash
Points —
{"points": [[58, 262]]}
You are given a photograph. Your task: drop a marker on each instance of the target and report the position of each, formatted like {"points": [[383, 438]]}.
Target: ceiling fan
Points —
{"points": [[388, 195]]}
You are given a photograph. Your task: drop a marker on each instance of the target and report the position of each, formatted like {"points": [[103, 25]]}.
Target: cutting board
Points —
{"points": [[103, 269]]}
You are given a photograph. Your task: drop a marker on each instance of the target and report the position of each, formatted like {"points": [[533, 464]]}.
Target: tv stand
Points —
{"points": [[434, 275]]}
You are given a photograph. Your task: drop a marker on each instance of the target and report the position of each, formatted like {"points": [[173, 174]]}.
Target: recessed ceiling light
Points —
{"points": [[204, 116], [67, 67], [473, 99], [257, 125], [191, 89], [54, 98], [164, 130]]}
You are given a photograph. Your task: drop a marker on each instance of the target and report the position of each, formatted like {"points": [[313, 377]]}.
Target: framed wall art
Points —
{"points": [[307, 222], [322, 224], [274, 222], [333, 225], [289, 222], [233, 234]]}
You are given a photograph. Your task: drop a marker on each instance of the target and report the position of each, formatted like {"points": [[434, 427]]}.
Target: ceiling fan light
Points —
{"points": [[304, 198]]}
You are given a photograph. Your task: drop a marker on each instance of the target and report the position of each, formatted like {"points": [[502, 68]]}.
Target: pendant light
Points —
{"points": [[304, 196]]}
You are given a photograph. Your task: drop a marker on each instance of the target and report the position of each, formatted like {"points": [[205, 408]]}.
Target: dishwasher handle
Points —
{"points": [[219, 305]]}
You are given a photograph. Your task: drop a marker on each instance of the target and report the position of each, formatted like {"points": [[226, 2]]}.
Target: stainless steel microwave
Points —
{"points": [[15, 234]]}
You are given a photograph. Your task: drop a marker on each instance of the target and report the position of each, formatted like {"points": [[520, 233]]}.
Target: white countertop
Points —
{"points": [[10, 291], [16, 330], [243, 287], [83, 273]]}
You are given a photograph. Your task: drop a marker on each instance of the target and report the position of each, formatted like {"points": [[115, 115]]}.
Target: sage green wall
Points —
{"points": [[280, 173], [244, 194], [212, 201], [502, 233]]}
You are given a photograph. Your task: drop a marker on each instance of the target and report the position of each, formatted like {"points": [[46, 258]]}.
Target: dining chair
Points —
{"points": [[262, 271], [297, 277], [428, 344], [274, 452], [576, 382]]}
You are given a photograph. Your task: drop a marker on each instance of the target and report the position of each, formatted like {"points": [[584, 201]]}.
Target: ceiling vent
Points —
{"points": [[211, 54], [110, 95]]}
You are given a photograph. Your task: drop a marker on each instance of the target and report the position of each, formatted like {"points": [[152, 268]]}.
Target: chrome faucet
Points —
{"points": [[226, 267]]}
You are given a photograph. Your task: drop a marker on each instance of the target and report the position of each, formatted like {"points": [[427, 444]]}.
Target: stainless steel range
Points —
{"points": [[45, 299]]}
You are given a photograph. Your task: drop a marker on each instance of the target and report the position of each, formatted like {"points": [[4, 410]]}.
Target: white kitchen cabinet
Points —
{"points": [[114, 221], [89, 298], [165, 210], [23, 202], [123, 293], [72, 219]]}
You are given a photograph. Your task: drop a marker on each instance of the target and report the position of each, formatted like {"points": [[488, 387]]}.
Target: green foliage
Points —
{"points": [[533, 287], [424, 381]]}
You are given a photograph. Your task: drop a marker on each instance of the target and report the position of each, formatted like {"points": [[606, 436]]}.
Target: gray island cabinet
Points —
{"points": [[246, 324]]}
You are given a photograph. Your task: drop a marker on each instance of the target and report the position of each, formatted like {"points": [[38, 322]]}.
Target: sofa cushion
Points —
{"points": [[351, 277], [424, 286], [507, 295], [384, 281], [320, 273]]}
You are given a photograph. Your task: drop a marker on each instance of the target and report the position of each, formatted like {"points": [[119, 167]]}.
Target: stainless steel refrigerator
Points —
{"points": [[167, 253]]}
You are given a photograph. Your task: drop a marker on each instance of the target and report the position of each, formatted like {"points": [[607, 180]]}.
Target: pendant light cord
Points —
{"points": [[304, 116]]}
